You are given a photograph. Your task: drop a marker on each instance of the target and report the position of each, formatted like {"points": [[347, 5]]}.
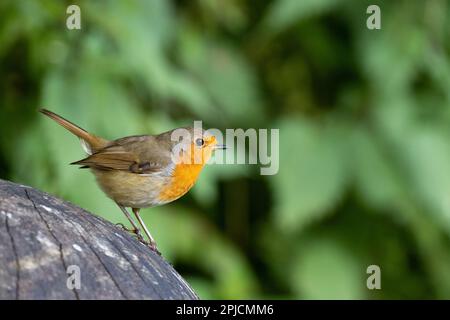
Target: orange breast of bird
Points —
{"points": [[185, 174], [183, 178]]}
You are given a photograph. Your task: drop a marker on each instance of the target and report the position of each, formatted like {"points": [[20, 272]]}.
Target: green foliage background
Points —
{"points": [[364, 119]]}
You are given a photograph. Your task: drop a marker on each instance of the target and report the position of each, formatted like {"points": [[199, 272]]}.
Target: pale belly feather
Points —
{"points": [[130, 189]]}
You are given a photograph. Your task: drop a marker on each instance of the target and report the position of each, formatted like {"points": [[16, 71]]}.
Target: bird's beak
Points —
{"points": [[220, 147]]}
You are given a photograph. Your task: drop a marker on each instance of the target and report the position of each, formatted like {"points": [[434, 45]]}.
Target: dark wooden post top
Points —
{"points": [[43, 237]]}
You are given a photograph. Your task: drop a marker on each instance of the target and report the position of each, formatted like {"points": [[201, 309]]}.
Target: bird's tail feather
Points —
{"points": [[89, 142]]}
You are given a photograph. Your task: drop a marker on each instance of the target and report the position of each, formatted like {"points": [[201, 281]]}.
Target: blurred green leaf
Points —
{"points": [[313, 172], [426, 156], [285, 13], [376, 179], [227, 77], [326, 270]]}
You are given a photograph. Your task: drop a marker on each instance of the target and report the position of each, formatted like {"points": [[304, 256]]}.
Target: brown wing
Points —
{"points": [[137, 154]]}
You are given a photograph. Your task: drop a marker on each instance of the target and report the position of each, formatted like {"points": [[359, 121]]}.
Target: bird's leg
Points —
{"points": [[152, 244], [135, 229]]}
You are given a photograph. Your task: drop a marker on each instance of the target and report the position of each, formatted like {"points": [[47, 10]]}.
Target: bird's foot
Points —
{"points": [[122, 226], [136, 232], [153, 247]]}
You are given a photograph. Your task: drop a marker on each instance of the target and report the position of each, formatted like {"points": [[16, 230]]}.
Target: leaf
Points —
{"points": [[313, 172], [206, 188], [226, 75], [142, 31], [202, 287], [375, 176], [397, 51], [284, 13], [426, 156], [326, 270]]}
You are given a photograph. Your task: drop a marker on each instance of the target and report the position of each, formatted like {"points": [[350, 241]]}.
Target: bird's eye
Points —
{"points": [[199, 142]]}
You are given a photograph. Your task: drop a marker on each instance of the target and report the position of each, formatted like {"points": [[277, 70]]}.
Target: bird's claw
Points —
{"points": [[137, 233], [153, 247], [122, 226]]}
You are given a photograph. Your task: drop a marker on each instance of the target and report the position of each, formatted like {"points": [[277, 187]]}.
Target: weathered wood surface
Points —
{"points": [[41, 236]]}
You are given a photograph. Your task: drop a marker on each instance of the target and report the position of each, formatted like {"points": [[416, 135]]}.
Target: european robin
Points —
{"points": [[144, 170]]}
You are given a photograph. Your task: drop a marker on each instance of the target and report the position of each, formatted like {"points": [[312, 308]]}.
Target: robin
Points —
{"points": [[144, 170]]}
